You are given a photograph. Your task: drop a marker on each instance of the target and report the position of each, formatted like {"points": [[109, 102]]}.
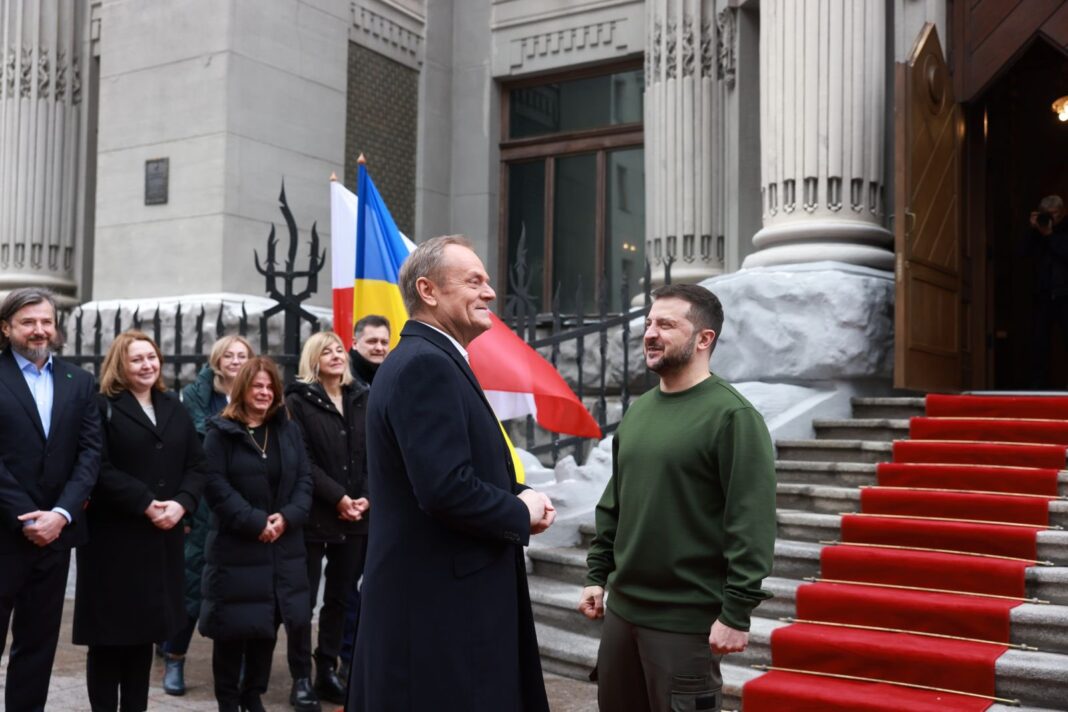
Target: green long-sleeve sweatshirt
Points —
{"points": [[686, 525]]}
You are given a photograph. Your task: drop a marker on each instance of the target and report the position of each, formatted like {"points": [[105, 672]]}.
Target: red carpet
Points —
{"points": [[956, 505], [925, 569], [791, 692], [954, 487], [1030, 480], [990, 430], [971, 453], [1054, 407]]}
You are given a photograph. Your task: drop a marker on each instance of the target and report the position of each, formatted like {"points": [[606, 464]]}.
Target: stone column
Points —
{"points": [[41, 142], [822, 133], [684, 139]]}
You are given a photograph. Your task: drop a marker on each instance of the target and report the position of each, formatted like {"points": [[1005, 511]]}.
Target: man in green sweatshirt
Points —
{"points": [[686, 525]]}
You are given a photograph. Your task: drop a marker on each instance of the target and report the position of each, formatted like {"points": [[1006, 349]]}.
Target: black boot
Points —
{"points": [[174, 675], [303, 697], [327, 683]]}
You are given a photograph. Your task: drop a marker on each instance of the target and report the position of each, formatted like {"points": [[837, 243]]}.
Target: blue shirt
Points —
{"points": [[42, 387]]}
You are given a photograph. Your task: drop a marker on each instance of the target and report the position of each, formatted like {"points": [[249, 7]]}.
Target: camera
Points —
{"points": [[1043, 219]]}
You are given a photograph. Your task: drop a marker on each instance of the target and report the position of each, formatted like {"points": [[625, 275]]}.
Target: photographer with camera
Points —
{"points": [[1047, 244]]}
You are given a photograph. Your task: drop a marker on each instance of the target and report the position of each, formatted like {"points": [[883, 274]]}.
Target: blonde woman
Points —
{"points": [[130, 573], [203, 398], [329, 406]]}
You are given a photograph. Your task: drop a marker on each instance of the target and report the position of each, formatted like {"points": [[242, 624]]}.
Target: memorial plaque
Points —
{"points": [[157, 171]]}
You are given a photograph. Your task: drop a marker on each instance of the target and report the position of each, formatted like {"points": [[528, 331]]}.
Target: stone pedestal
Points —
{"points": [[43, 45], [823, 134], [685, 192]]}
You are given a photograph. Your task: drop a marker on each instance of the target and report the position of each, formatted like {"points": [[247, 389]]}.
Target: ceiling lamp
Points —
{"points": [[1060, 108]]}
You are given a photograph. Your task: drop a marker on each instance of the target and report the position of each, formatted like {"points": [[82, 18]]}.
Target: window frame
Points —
{"points": [[550, 147]]}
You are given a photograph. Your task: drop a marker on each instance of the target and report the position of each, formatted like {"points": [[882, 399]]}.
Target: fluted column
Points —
{"points": [[684, 135], [41, 139], [822, 133]]}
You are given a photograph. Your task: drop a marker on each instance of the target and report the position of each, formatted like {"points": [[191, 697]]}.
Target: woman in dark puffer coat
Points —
{"points": [[259, 489]]}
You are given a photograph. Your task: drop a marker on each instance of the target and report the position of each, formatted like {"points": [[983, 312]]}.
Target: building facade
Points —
{"points": [[143, 143]]}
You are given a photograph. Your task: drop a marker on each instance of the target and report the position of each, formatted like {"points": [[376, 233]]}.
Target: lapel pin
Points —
{"points": [[69, 376]]}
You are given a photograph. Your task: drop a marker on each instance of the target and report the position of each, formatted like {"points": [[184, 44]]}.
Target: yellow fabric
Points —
{"points": [[374, 296], [520, 473]]}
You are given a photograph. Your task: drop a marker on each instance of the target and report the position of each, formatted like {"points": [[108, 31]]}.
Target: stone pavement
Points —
{"points": [[67, 692]]}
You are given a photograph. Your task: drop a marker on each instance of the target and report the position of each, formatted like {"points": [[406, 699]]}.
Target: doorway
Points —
{"points": [[1022, 158]]}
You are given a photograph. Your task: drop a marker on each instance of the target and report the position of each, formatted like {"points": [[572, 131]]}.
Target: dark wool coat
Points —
{"points": [[337, 452], [244, 577], [445, 622], [39, 473], [130, 573]]}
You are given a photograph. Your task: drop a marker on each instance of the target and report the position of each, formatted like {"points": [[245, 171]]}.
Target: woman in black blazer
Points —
{"points": [[329, 406], [259, 488], [129, 591]]}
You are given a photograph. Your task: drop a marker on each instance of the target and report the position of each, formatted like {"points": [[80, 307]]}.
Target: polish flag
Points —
{"points": [[518, 381]]}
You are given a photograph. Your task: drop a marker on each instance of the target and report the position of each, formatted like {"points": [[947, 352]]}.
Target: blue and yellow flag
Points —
{"points": [[380, 251]]}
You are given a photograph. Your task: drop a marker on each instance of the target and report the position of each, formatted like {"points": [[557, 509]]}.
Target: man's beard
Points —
{"points": [[677, 359], [37, 353]]}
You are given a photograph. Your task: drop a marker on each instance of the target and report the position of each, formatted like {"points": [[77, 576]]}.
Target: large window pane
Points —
{"points": [[574, 231], [526, 216], [625, 224], [577, 105]]}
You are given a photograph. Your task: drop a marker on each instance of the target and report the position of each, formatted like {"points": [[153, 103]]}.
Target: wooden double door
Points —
{"points": [[975, 147]]}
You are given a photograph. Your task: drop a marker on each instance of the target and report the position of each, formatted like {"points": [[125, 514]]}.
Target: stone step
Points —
{"points": [[1038, 679], [840, 474], [849, 474], [834, 451], [888, 407], [1034, 678], [825, 499], [871, 429]]}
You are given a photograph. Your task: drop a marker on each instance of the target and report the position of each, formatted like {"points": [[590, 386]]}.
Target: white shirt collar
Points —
{"points": [[23, 362], [461, 349]]}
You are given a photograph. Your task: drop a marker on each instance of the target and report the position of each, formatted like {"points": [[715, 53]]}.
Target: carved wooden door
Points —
{"points": [[928, 132]]}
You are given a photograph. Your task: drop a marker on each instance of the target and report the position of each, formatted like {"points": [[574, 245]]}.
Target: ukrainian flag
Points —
{"points": [[380, 251]]}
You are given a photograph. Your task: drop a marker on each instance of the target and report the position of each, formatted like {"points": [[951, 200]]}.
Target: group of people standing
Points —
{"points": [[215, 508], [126, 471]]}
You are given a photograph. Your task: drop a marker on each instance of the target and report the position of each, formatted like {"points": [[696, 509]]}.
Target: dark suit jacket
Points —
{"points": [[445, 619], [141, 462], [39, 474]]}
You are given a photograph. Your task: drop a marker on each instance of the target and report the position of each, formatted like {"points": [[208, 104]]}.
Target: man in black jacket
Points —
{"points": [[49, 460], [370, 346], [446, 622]]}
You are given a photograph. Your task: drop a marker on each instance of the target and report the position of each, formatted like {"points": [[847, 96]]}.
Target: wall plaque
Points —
{"points": [[157, 172]]}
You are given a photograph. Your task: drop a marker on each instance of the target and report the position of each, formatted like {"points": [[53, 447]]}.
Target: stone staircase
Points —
{"points": [[817, 481]]}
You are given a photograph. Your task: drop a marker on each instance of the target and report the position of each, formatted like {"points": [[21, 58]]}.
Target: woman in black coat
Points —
{"points": [[329, 406], [259, 489], [129, 584]]}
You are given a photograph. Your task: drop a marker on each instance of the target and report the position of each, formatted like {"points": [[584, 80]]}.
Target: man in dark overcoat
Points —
{"points": [[446, 622], [49, 460]]}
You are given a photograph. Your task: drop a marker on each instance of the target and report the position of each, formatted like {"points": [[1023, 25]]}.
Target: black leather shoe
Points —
{"points": [[327, 683], [174, 676], [303, 697]]}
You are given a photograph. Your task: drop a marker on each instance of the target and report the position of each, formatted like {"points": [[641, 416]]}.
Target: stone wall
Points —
{"points": [[380, 122]]}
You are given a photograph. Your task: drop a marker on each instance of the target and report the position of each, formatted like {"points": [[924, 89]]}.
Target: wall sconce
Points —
{"points": [[1060, 108]]}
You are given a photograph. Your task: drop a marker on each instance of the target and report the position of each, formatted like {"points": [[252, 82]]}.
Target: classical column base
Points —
{"points": [[801, 252], [65, 289]]}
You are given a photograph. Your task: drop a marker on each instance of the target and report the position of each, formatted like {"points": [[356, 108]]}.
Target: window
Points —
{"points": [[573, 181]]}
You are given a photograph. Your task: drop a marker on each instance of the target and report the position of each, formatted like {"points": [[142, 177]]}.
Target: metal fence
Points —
{"points": [[287, 318], [577, 344], [587, 339]]}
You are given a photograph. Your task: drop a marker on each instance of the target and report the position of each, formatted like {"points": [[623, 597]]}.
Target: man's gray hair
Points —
{"points": [[24, 297], [1051, 203], [427, 260]]}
